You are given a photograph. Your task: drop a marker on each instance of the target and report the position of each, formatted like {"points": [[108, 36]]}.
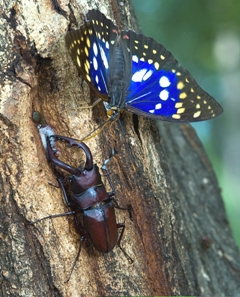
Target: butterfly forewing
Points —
{"points": [[161, 88], [90, 49]]}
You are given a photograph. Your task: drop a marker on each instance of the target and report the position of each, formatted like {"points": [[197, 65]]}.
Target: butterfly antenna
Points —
{"points": [[88, 106], [97, 131]]}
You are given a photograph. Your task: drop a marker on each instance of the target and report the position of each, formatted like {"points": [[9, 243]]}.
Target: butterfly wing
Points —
{"points": [[162, 89], [91, 48]]}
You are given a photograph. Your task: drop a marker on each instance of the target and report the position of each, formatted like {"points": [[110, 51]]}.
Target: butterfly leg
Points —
{"points": [[89, 106]]}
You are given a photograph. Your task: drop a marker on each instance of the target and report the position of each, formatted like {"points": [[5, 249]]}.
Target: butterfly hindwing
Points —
{"points": [[162, 89]]}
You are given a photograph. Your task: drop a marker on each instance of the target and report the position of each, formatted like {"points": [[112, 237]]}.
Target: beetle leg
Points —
{"points": [[68, 202], [82, 238], [112, 193], [53, 216], [128, 208], [106, 173], [122, 225]]}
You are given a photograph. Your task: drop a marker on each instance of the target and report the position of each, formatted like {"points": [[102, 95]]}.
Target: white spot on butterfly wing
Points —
{"points": [[97, 79], [107, 44], [164, 82], [157, 106], [138, 75], [135, 58], [104, 58], [147, 75], [95, 49], [95, 63], [164, 95]]}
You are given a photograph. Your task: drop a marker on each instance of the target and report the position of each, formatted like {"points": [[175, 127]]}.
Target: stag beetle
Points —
{"points": [[84, 192]]}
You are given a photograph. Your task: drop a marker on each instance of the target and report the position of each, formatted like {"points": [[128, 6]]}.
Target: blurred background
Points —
{"points": [[204, 36]]}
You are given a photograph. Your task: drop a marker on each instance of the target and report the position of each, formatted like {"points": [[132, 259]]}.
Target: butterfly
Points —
{"points": [[133, 72]]}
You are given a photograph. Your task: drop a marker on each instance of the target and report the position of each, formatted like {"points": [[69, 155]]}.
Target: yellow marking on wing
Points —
{"points": [[156, 65], [78, 61], [88, 64], [178, 104], [183, 95], [88, 42], [86, 51], [180, 85], [198, 106], [197, 114], [176, 116], [180, 110]]}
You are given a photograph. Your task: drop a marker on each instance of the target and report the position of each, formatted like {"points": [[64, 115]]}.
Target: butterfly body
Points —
{"points": [[133, 72], [117, 84]]}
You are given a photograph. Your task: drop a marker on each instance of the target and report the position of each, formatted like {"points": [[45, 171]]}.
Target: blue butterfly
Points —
{"points": [[133, 72]]}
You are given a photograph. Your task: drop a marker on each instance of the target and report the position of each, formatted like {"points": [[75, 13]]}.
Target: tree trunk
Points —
{"points": [[160, 168]]}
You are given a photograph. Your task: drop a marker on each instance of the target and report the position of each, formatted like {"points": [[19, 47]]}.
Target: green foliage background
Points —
{"points": [[204, 36]]}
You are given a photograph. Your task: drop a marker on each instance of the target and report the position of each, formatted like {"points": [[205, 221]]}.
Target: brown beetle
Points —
{"points": [[84, 192]]}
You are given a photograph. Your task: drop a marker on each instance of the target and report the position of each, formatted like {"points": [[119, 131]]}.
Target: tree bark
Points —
{"points": [[160, 168]]}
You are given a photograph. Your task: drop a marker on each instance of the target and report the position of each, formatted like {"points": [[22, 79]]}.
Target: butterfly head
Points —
{"points": [[113, 112]]}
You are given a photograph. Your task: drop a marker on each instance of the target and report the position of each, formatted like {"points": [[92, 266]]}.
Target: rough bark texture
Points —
{"points": [[160, 168]]}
